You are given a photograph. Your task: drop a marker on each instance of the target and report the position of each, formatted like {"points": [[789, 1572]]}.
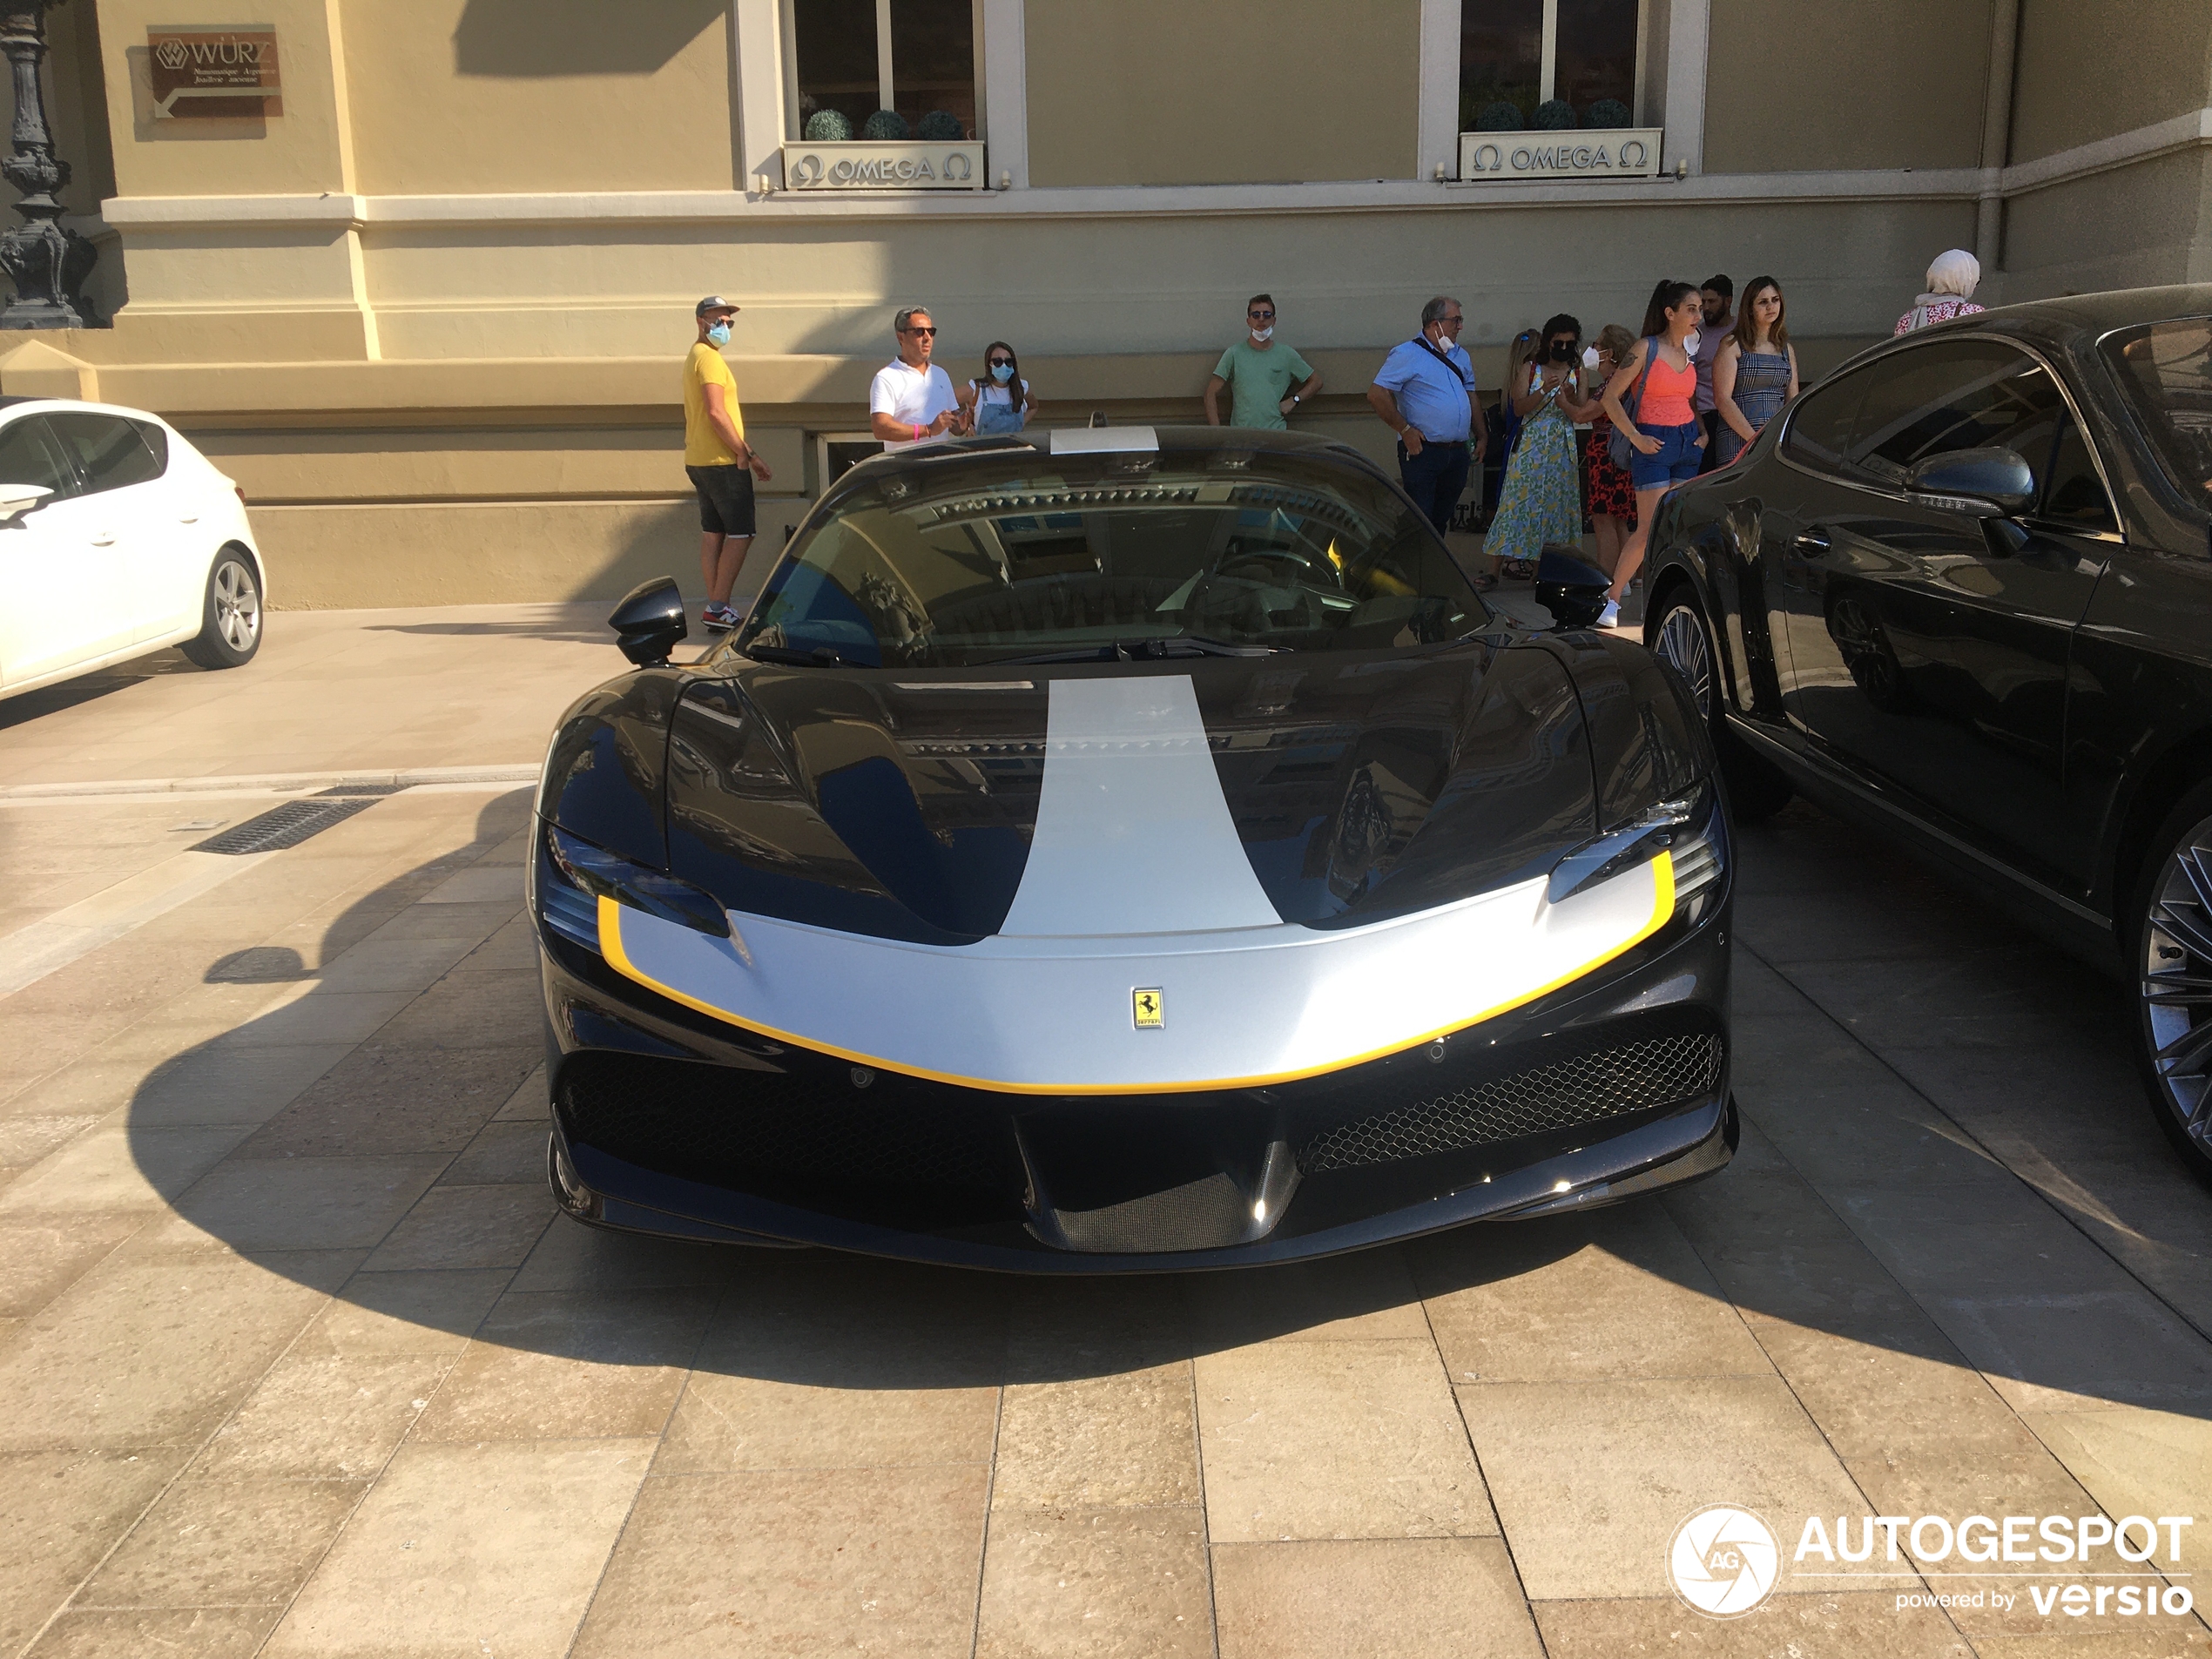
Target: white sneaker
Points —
{"points": [[1610, 617]]}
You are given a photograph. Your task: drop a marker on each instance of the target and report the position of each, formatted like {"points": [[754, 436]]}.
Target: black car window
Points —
{"points": [[1820, 427], [2072, 492], [1936, 399], [157, 437], [107, 449], [28, 456], [962, 560], [2165, 371]]}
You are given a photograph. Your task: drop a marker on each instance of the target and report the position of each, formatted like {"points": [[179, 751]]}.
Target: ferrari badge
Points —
{"points": [[1149, 1008]]}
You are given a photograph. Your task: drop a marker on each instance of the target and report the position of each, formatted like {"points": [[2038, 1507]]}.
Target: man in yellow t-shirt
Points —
{"points": [[721, 464]]}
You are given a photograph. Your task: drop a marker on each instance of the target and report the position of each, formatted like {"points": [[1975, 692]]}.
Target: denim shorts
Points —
{"points": [[1677, 461], [726, 498]]}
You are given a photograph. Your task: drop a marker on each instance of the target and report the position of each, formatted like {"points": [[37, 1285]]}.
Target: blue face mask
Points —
{"points": [[720, 334], [1002, 373]]}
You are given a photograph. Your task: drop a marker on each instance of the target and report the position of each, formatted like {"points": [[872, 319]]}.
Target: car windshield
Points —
{"points": [[1023, 556], [2166, 372]]}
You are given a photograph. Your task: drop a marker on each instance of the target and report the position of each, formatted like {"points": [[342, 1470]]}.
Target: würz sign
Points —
{"points": [[884, 166], [1605, 153], [214, 71]]}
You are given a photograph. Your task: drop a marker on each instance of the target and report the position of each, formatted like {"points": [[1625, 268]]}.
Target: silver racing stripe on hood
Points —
{"points": [[1133, 835]]}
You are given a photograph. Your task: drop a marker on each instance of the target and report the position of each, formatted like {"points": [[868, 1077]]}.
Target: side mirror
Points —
{"points": [[1570, 588], [649, 623], [16, 500], [1993, 482]]}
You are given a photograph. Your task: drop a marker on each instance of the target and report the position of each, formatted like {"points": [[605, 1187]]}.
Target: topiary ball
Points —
{"points": [[1500, 117], [1554, 115], [886, 126], [939, 127], [828, 126], [1608, 113]]}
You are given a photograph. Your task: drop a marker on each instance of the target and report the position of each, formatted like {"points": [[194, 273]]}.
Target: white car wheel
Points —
{"points": [[230, 630]]}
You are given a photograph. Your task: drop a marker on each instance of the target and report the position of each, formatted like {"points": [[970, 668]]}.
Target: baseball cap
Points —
{"points": [[715, 303]]}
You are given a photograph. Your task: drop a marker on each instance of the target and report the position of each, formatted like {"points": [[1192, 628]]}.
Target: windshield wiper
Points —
{"points": [[819, 656], [1146, 650]]}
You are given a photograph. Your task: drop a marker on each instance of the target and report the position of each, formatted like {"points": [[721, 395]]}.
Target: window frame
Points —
{"points": [[886, 81], [1873, 485], [1548, 59]]}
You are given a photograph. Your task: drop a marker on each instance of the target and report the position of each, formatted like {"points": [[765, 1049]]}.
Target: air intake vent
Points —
{"points": [[1565, 1094]]}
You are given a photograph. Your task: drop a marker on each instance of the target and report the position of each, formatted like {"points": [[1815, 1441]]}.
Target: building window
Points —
{"points": [[885, 69], [1547, 64]]}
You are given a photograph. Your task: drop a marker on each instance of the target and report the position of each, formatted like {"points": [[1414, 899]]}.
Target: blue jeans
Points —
{"points": [[1435, 478], [1676, 460]]}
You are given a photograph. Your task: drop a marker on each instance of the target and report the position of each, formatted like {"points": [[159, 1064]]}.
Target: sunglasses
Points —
{"points": [[1261, 316], [920, 331], [1000, 362]]}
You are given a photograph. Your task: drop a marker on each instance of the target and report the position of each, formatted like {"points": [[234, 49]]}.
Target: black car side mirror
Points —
{"points": [[649, 622], [1993, 482], [1572, 590]]}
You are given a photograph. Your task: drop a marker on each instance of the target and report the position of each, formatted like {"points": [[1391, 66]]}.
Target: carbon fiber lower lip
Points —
{"points": [[1684, 1147]]}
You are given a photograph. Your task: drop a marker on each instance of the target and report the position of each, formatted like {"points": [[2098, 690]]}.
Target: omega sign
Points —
{"points": [[214, 71], [1626, 153], [884, 166]]}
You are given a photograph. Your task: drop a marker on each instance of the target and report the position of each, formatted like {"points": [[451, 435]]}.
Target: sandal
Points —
{"points": [[1484, 582]]}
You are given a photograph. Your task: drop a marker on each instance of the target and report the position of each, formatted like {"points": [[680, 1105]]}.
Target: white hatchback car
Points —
{"points": [[117, 538]]}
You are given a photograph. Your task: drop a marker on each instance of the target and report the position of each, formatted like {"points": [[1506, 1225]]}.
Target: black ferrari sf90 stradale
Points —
{"points": [[1126, 850]]}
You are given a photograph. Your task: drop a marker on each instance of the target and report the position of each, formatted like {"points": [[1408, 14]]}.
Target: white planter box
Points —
{"points": [[915, 164], [1603, 152]]}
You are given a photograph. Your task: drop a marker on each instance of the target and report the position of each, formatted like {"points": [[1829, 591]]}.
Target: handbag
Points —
{"points": [[1618, 449]]}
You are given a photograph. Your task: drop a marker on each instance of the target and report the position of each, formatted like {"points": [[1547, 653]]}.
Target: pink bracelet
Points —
{"points": [[917, 432]]}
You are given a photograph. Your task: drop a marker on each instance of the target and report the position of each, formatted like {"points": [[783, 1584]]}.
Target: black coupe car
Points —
{"points": [[1123, 850], [1962, 589]]}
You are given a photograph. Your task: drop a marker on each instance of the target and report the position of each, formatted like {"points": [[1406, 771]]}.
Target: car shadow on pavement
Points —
{"points": [[1863, 1240]]}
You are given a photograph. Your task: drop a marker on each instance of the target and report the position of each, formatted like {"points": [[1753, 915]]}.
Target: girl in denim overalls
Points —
{"points": [[1001, 402]]}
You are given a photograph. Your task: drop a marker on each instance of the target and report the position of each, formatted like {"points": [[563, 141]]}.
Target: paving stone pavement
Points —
{"points": [[296, 1357]]}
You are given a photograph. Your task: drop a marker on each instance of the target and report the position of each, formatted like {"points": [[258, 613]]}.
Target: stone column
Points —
{"points": [[47, 263]]}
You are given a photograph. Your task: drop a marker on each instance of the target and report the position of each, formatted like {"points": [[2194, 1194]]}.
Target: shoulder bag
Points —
{"points": [[1618, 449]]}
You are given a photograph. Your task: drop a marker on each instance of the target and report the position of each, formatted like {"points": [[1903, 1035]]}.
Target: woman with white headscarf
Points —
{"points": [[1952, 281]]}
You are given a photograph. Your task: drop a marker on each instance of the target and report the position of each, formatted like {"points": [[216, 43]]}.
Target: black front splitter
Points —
{"points": [[1685, 1146]]}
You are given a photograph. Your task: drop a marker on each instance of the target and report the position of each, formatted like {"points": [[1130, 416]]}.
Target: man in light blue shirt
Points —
{"points": [[1425, 393]]}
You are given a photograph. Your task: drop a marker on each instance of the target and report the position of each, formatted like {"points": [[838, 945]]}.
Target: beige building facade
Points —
{"points": [[429, 308]]}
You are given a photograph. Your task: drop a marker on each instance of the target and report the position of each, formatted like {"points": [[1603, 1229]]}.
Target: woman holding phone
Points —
{"points": [[1648, 402]]}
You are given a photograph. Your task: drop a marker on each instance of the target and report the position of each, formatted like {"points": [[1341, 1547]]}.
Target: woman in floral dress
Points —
{"points": [[1541, 499], [1607, 490]]}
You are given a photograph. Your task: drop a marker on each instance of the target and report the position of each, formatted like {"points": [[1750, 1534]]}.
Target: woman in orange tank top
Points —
{"points": [[1648, 400]]}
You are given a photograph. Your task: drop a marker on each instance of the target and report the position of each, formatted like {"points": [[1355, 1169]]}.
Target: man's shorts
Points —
{"points": [[726, 499], [1676, 462]]}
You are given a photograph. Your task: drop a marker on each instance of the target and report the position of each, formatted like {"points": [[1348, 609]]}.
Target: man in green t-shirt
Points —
{"points": [[1265, 379]]}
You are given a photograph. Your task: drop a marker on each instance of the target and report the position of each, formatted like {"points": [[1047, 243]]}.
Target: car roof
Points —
{"points": [[1185, 443], [2069, 323]]}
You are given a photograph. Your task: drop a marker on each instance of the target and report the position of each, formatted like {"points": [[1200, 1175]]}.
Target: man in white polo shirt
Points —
{"points": [[911, 398]]}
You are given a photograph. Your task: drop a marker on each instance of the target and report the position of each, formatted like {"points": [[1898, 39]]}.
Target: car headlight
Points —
{"points": [[1692, 827], [577, 875]]}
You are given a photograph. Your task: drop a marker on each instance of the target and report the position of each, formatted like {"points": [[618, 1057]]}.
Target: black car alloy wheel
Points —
{"points": [[2175, 1028], [1755, 790], [1681, 640]]}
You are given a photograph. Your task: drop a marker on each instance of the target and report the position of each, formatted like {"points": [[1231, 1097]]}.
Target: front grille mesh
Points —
{"points": [[1563, 1095]]}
